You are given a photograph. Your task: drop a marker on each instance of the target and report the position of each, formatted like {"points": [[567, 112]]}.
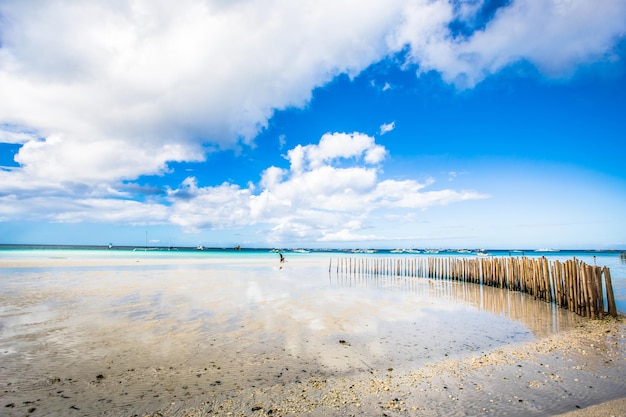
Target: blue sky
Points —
{"points": [[457, 124]]}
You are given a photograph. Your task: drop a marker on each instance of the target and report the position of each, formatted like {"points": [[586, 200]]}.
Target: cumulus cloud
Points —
{"points": [[188, 72], [222, 207], [335, 146], [147, 75], [334, 182], [98, 94], [331, 194], [554, 35]]}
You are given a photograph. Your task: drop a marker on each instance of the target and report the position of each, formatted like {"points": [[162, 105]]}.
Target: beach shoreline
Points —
{"points": [[167, 350]]}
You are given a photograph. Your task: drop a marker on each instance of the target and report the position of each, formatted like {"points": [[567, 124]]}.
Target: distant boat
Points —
{"points": [[237, 247], [300, 251], [547, 250], [200, 247], [110, 245], [146, 248], [481, 253]]}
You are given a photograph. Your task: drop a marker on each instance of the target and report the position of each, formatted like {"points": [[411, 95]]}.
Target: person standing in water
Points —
{"points": [[282, 260]]}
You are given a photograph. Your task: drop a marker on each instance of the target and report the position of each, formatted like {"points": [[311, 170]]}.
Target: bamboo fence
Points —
{"points": [[571, 284]]}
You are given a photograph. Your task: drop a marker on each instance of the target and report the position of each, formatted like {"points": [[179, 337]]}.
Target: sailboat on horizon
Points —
{"points": [[145, 248]]}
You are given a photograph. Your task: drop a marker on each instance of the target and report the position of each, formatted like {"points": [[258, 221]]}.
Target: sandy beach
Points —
{"points": [[152, 337]]}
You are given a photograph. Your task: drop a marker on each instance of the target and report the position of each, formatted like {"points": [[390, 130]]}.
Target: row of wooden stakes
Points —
{"points": [[573, 284]]}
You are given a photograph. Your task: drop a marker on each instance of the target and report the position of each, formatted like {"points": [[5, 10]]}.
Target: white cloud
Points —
{"points": [[63, 159], [225, 206], [99, 93], [347, 235], [187, 72], [63, 209], [335, 146], [555, 35], [160, 79], [282, 141], [387, 127], [329, 185], [7, 136]]}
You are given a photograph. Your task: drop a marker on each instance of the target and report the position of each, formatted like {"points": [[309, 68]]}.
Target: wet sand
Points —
{"points": [[615, 408], [152, 337]]}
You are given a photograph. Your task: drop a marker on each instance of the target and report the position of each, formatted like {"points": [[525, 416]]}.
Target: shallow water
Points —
{"points": [[128, 338], [27, 253]]}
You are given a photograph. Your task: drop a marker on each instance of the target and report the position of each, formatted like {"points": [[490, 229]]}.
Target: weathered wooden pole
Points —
{"points": [[585, 290], [597, 275], [573, 284], [610, 298]]}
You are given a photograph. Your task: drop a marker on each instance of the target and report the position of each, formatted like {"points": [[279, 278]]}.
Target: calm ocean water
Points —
{"points": [[610, 259]]}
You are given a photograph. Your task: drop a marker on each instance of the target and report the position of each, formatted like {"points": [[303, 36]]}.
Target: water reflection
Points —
{"points": [[539, 317], [165, 328]]}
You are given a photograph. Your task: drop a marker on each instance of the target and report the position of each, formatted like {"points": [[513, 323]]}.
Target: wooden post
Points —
{"points": [[576, 289], [597, 275], [547, 290], [573, 284], [610, 298], [586, 289]]}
